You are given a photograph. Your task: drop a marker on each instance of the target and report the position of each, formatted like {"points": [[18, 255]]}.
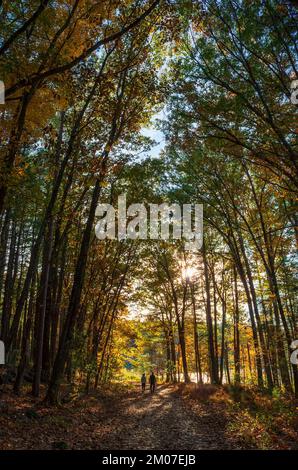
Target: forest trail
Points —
{"points": [[121, 417], [163, 421]]}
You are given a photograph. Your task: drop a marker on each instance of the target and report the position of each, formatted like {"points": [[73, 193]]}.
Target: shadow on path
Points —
{"points": [[162, 421]]}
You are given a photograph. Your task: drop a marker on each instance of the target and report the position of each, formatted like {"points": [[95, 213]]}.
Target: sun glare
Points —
{"points": [[189, 272]]}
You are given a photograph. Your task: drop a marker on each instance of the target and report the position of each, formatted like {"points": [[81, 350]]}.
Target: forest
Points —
{"points": [[165, 101]]}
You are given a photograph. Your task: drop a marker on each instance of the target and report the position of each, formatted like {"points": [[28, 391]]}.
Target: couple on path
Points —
{"points": [[152, 381]]}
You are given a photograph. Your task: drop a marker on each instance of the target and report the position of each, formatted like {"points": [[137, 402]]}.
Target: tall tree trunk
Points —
{"points": [[213, 363], [8, 286], [42, 310], [25, 350], [196, 338], [237, 362]]}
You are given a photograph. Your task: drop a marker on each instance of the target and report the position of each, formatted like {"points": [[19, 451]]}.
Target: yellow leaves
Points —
{"points": [[41, 107]]}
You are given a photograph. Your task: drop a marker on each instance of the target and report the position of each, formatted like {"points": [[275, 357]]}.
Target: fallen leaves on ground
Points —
{"points": [[175, 417]]}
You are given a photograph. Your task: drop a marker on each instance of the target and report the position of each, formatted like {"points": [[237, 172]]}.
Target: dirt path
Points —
{"points": [[121, 417], [163, 421], [124, 420]]}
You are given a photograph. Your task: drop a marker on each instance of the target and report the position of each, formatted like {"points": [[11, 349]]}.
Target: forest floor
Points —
{"points": [[174, 417]]}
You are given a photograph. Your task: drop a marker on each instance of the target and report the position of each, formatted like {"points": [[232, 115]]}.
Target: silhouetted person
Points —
{"points": [[143, 382], [152, 381]]}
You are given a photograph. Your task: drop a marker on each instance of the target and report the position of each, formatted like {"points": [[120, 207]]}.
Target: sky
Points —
{"points": [[155, 134]]}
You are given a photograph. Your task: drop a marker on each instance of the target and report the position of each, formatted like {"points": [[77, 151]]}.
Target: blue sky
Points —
{"points": [[158, 137], [155, 134]]}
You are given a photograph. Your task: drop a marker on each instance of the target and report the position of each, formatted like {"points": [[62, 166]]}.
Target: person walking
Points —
{"points": [[143, 382], [152, 381]]}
